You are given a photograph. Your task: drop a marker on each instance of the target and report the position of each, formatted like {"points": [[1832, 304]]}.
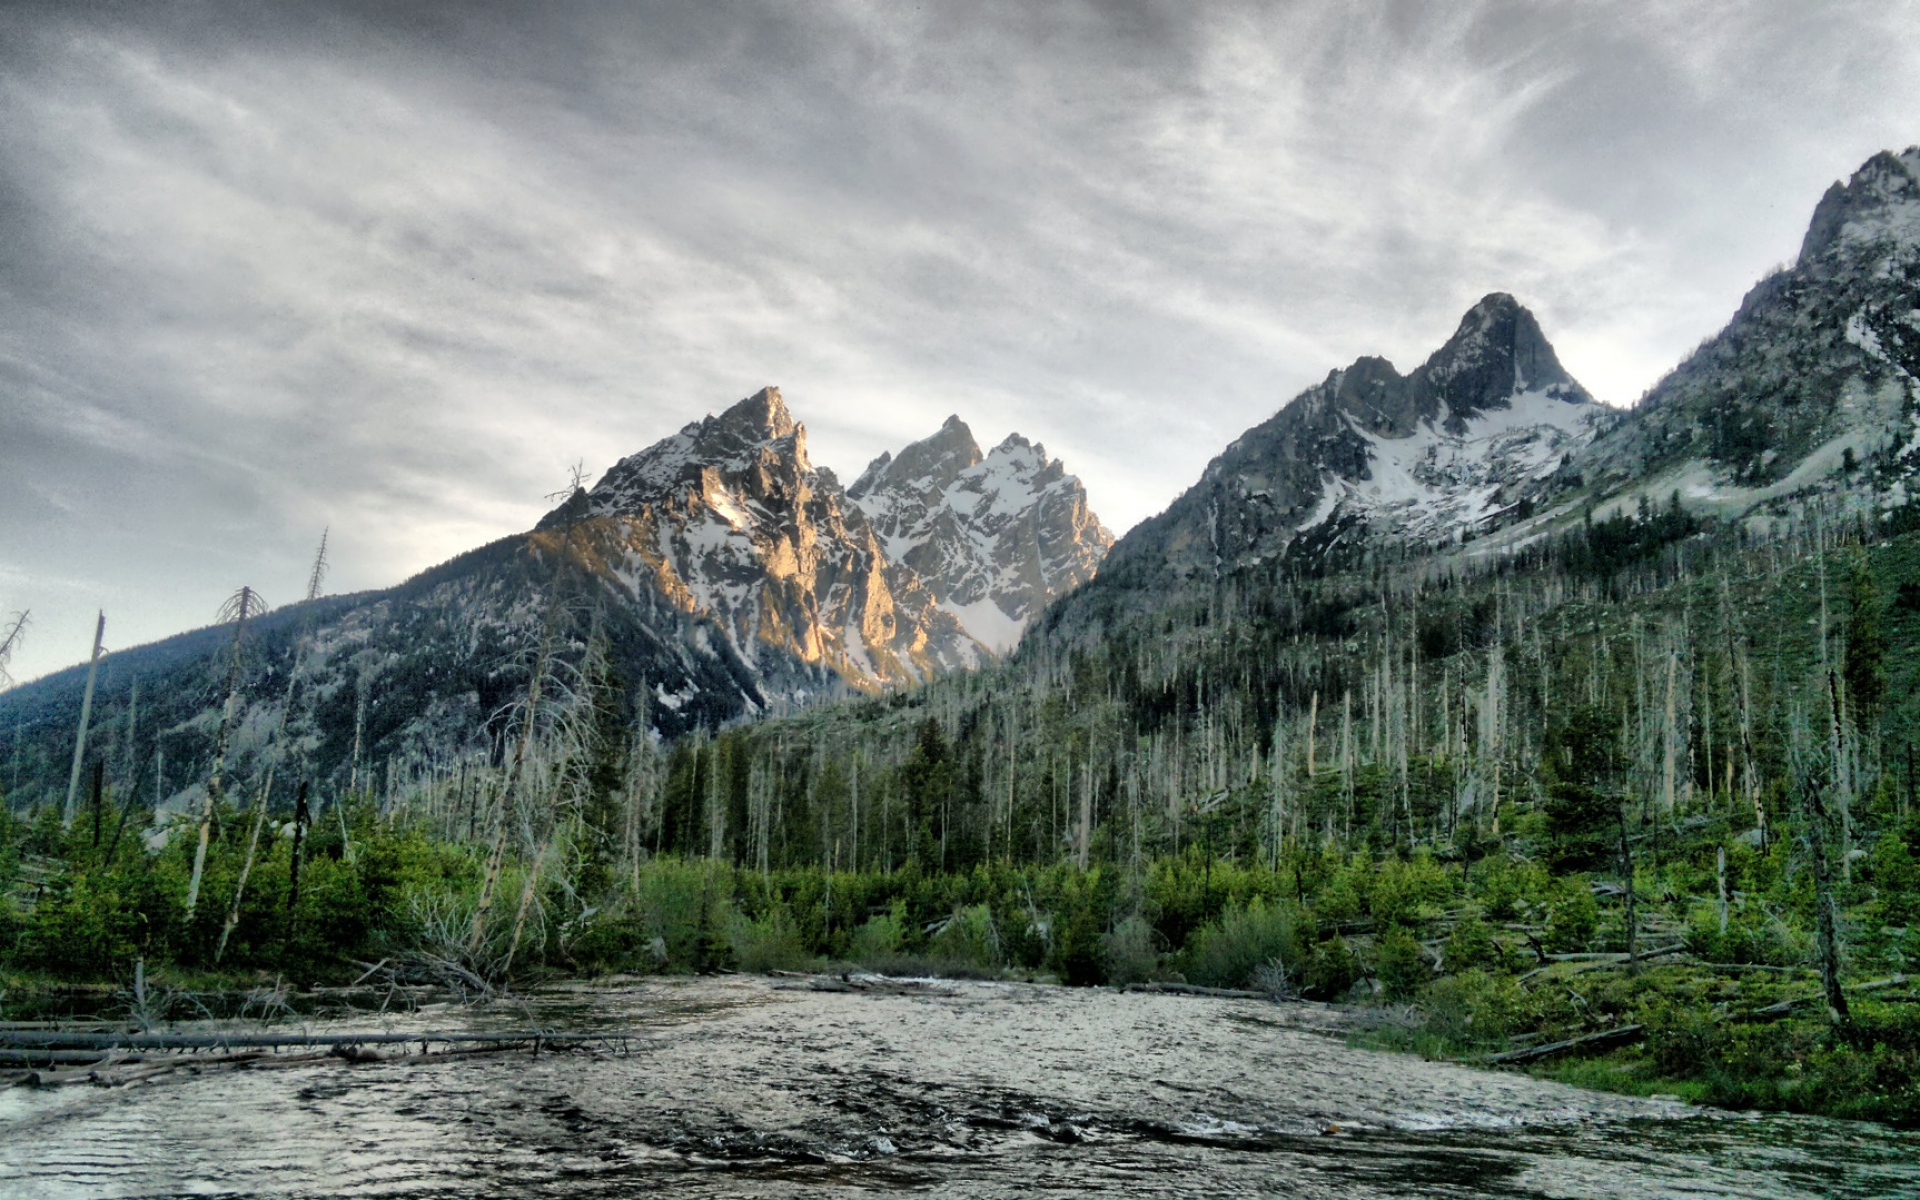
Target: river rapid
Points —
{"points": [[745, 1086]]}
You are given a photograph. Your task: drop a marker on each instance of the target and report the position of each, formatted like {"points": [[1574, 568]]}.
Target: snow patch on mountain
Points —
{"points": [[1436, 482]]}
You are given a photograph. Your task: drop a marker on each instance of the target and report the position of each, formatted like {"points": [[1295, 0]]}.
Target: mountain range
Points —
{"points": [[1813, 386], [722, 574], [728, 577]]}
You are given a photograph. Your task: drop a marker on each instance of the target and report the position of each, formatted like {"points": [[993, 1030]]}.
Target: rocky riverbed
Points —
{"points": [[747, 1086]]}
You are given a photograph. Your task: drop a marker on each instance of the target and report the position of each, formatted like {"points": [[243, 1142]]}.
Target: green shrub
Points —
{"points": [[1473, 1010], [1227, 952], [1506, 885], [1331, 971], [1128, 952], [687, 905], [1573, 917], [770, 942], [969, 937], [1400, 966], [1751, 937], [1470, 947], [879, 939]]}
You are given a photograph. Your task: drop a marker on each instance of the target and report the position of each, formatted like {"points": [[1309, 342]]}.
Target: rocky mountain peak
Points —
{"points": [[925, 466], [1472, 434], [1498, 352], [995, 536], [1820, 367], [1880, 203], [763, 415], [754, 444]]}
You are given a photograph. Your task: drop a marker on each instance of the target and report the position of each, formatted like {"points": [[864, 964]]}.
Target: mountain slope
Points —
{"points": [[996, 537], [1819, 367]]}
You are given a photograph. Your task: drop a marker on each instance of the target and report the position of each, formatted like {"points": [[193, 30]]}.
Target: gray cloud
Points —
{"points": [[390, 268]]}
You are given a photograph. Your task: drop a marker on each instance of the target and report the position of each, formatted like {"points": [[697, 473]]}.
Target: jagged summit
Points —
{"points": [[1497, 354], [728, 519], [995, 536], [1819, 368], [1880, 203], [936, 460], [757, 430], [1472, 433]]}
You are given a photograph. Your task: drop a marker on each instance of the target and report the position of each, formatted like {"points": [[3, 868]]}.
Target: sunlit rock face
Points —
{"points": [[996, 537], [729, 520]]}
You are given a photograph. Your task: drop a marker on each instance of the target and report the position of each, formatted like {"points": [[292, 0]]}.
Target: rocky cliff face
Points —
{"points": [[1471, 435], [729, 520], [995, 537], [1816, 370]]}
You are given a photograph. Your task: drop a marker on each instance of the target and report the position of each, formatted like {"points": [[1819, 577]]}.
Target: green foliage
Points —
{"points": [[880, 938], [1331, 970], [770, 942], [1470, 947], [1573, 917], [1864, 664], [1399, 964], [1505, 885], [1128, 953], [1244, 939], [968, 937], [1473, 1011]]}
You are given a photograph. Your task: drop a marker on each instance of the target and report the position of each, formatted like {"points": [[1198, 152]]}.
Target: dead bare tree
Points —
{"points": [[86, 713], [16, 633], [279, 737], [243, 604]]}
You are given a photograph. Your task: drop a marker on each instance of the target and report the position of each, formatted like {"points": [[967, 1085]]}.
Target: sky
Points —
{"points": [[388, 270]]}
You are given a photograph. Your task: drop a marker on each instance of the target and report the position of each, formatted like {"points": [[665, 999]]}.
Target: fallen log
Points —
{"points": [[1606, 1039], [48, 1057], [1577, 963], [878, 985], [1189, 989]]}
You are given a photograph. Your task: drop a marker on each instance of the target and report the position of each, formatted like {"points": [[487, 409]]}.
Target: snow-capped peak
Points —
{"points": [[995, 537]]}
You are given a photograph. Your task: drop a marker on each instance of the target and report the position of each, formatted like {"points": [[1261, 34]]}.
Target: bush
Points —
{"points": [[1473, 1010], [1226, 953], [1128, 952], [968, 938], [1750, 938], [769, 943], [880, 938], [687, 906], [1573, 917], [1505, 885], [1399, 965], [1471, 947], [1331, 971]]}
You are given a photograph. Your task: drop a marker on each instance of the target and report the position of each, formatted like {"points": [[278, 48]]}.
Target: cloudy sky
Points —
{"points": [[390, 268]]}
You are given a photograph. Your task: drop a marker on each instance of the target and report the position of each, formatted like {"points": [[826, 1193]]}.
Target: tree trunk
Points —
{"points": [[86, 713]]}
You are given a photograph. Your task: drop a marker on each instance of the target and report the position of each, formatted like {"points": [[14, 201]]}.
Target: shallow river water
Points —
{"points": [[740, 1086]]}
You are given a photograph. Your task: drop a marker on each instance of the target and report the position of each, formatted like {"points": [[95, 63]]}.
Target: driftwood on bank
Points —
{"points": [[1627, 1034], [872, 985], [1189, 989], [1605, 1039], [46, 1058]]}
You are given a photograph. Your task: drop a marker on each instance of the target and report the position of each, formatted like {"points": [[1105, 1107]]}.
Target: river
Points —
{"points": [[746, 1086]]}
